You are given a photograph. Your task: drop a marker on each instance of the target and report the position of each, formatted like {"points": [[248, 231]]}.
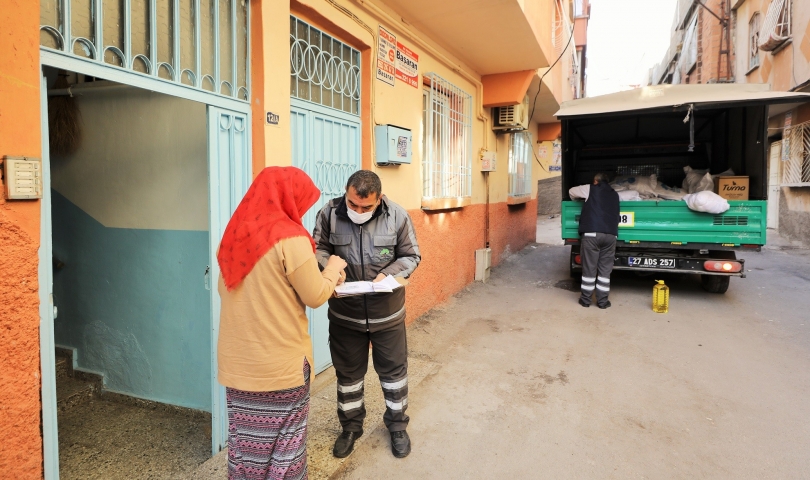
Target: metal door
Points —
{"points": [[47, 310], [326, 145], [773, 185], [228, 180]]}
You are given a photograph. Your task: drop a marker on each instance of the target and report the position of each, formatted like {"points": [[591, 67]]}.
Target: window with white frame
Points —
{"points": [[447, 140], [753, 41], [520, 164], [776, 28]]}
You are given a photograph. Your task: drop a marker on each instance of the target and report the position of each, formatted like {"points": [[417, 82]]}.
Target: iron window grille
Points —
{"points": [[520, 166], [776, 28], [199, 43], [562, 27], [796, 156], [753, 41], [323, 69], [447, 147]]}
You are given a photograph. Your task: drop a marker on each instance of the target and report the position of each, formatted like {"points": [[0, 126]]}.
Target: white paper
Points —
{"points": [[386, 285]]}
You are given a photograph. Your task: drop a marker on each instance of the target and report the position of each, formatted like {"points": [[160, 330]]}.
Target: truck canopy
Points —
{"points": [[662, 129], [678, 98]]}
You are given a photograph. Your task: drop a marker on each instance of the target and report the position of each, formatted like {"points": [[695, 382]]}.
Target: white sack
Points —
{"points": [[669, 193], [645, 186], [706, 201], [580, 192], [697, 180], [629, 196]]}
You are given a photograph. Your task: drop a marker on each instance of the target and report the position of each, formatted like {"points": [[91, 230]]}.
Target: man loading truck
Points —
{"points": [[650, 142], [599, 227]]}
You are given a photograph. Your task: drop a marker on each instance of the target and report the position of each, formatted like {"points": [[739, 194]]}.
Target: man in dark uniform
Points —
{"points": [[598, 227], [375, 236]]}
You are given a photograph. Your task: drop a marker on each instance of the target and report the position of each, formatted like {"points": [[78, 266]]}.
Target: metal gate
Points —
{"points": [[192, 49], [325, 130], [228, 180]]}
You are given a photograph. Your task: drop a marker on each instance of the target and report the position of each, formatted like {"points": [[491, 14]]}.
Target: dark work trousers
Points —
{"points": [[389, 350], [598, 252]]}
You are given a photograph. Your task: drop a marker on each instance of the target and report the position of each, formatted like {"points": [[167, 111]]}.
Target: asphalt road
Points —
{"points": [[531, 385]]}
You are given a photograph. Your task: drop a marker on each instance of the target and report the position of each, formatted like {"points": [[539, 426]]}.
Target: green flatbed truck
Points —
{"points": [[660, 130]]}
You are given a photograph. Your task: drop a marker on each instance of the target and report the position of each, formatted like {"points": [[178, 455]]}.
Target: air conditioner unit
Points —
{"points": [[513, 118]]}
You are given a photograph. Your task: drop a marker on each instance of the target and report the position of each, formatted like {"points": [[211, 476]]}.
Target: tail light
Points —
{"points": [[725, 266], [578, 259]]}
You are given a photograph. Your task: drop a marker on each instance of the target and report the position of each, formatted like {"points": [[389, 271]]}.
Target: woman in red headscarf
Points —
{"points": [[269, 273]]}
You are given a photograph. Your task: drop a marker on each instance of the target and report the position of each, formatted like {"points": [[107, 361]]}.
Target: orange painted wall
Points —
{"points": [[257, 86], [505, 89], [549, 131], [448, 241], [20, 406]]}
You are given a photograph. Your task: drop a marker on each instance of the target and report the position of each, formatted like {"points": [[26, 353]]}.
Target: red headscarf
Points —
{"points": [[271, 211]]}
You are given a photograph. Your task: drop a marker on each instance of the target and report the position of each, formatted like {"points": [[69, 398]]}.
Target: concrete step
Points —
{"points": [[73, 387], [63, 367], [71, 391]]}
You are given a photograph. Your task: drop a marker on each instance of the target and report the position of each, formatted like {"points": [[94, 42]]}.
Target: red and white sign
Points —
{"points": [[407, 65], [386, 56]]}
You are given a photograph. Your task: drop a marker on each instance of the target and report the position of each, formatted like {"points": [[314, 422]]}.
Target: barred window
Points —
{"points": [[796, 156], [520, 165], [447, 140], [753, 41]]}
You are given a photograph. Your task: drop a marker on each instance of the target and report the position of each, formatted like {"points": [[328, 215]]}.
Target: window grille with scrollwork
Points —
{"points": [[323, 70], [198, 43]]}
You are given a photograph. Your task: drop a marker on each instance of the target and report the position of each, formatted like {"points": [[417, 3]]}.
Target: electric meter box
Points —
{"points": [[393, 145]]}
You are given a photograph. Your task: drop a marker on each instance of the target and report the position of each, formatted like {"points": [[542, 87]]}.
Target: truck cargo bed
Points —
{"points": [[672, 222]]}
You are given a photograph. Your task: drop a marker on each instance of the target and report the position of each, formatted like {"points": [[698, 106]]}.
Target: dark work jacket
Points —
{"points": [[385, 244], [600, 214]]}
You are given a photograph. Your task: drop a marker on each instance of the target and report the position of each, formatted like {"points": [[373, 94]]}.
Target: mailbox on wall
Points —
{"points": [[393, 145]]}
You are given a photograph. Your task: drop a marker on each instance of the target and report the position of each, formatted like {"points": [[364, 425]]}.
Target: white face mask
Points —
{"points": [[359, 218]]}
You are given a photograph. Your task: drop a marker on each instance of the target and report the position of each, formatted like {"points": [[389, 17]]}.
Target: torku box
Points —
{"points": [[732, 188]]}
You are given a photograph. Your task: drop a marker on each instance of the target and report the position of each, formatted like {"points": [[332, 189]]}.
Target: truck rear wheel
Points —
{"points": [[715, 283], [575, 274]]}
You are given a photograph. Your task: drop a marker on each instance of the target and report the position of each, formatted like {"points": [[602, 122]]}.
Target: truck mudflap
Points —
{"points": [[672, 262]]}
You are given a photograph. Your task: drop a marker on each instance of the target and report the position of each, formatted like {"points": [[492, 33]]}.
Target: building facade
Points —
{"points": [[130, 130], [754, 41]]}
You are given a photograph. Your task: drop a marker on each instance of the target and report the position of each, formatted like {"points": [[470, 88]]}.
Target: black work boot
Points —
{"points": [[582, 302], [345, 443], [400, 444], [605, 305]]}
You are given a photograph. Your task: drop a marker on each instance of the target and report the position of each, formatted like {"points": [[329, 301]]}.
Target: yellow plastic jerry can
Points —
{"points": [[660, 301]]}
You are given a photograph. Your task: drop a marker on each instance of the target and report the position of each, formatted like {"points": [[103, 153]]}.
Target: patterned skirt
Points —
{"points": [[267, 433]]}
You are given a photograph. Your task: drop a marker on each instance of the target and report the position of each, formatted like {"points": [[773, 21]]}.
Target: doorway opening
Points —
{"points": [[131, 282]]}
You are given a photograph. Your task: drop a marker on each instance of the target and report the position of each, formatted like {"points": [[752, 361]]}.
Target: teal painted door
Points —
{"points": [[229, 177], [326, 145], [47, 309]]}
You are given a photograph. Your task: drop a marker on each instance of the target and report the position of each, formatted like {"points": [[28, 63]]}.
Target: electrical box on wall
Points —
{"points": [[393, 145], [23, 177], [487, 161]]}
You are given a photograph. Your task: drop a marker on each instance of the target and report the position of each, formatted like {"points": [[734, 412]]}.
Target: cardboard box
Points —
{"points": [[732, 188]]}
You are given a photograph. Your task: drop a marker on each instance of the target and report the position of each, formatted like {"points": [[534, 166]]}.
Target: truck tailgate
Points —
{"points": [[672, 222]]}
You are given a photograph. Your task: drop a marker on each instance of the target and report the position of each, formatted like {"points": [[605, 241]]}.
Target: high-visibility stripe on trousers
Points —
{"points": [[598, 252], [389, 352]]}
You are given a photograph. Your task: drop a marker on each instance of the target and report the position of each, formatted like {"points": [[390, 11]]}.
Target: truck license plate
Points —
{"points": [[650, 262]]}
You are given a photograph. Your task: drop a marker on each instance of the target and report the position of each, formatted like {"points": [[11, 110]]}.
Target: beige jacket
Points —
{"points": [[263, 330]]}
